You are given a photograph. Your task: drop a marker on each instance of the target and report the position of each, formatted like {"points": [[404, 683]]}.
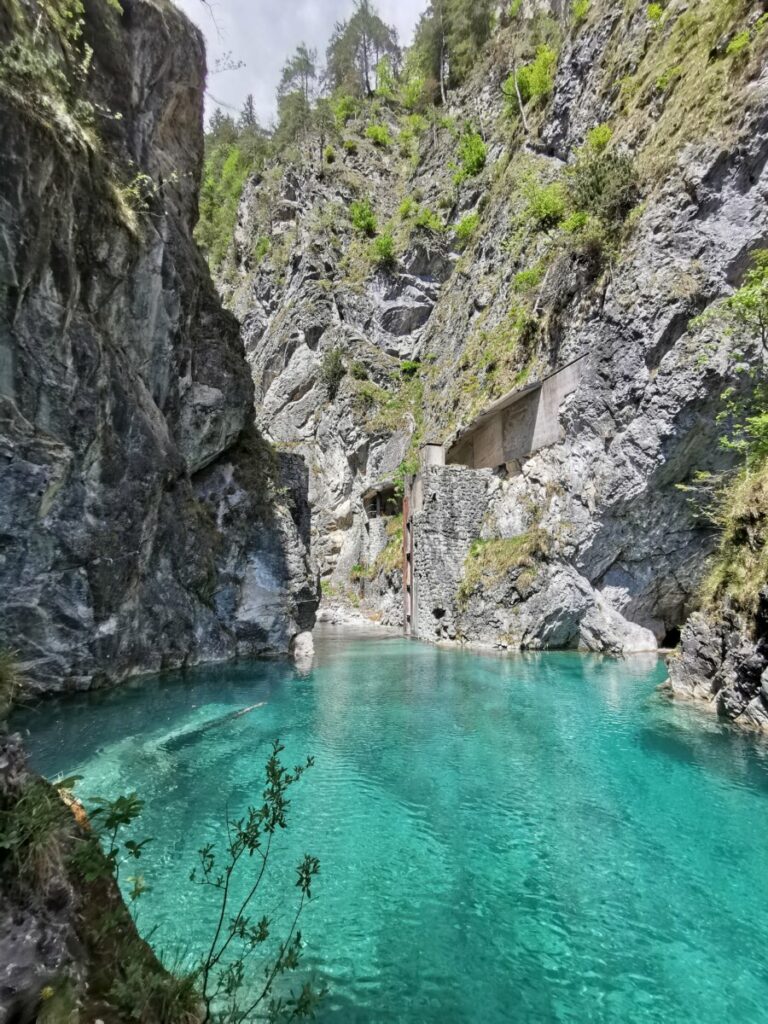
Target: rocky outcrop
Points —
{"points": [[723, 660], [69, 949], [143, 521], [626, 548], [528, 600]]}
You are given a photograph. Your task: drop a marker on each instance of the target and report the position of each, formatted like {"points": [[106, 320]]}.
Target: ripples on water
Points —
{"points": [[531, 839]]}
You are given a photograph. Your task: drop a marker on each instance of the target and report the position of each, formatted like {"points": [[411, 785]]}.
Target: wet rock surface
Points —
{"points": [[723, 660]]}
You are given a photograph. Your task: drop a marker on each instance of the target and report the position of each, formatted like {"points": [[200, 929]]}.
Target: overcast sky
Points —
{"points": [[262, 33]]}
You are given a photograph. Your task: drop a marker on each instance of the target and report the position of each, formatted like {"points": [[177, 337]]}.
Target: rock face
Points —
{"points": [[625, 548], [67, 943], [141, 524], [725, 663]]}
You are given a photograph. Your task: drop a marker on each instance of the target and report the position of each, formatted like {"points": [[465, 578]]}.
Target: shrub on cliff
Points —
{"points": [[363, 218], [604, 184], [332, 372], [473, 153], [383, 253]]}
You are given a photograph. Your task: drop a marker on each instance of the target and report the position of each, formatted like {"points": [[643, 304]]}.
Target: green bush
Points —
{"points": [[363, 218], [358, 371], [329, 155], [409, 368], [599, 137], [10, 681], [466, 228], [579, 10], [545, 204], [378, 135], [655, 12], [738, 45], [345, 108], [536, 80], [350, 146], [260, 249], [383, 252], [428, 220], [473, 153], [669, 77], [332, 371], [527, 279], [408, 208], [604, 184]]}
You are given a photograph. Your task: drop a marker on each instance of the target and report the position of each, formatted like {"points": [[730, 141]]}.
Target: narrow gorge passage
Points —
{"points": [[383, 511]]}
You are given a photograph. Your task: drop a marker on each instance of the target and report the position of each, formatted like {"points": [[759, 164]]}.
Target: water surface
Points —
{"points": [[534, 838]]}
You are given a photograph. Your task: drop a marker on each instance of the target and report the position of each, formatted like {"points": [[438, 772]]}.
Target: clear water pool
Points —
{"points": [[531, 839]]}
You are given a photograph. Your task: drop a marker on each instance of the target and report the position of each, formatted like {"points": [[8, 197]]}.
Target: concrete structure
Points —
{"points": [[445, 503], [516, 425]]}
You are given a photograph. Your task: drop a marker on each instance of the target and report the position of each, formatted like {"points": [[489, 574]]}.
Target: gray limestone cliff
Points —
{"points": [[144, 523], [588, 541]]}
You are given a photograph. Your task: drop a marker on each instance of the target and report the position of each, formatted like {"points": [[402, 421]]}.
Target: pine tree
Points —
{"points": [[356, 47], [299, 72], [248, 117]]}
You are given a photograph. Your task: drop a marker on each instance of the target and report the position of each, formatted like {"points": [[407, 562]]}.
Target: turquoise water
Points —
{"points": [[531, 839]]}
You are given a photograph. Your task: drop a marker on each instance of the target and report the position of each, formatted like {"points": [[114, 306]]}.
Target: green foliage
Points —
{"points": [[356, 50], [363, 218], [383, 254], [103, 852], [528, 279], [490, 562], [378, 135], [408, 208], [358, 371], [579, 10], [408, 467], [467, 227], [655, 12], [386, 83], [668, 77], [740, 567], [599, 137], [391, 558], [45, 63], [329, 155], [350, 146], [514, 9], [232, 153], [139, 991], [603, 184], [738, 45], [240, 934], [536, 80], [428, 220], [332, 372], [260, 249], [545, 203], [345, 109], [473, 153], [747, 309], [409, 368], [31, 830], [412, 92]]}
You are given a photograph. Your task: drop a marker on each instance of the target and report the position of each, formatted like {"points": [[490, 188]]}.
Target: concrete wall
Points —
{"points": [[455, 502], [521, 426]]}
